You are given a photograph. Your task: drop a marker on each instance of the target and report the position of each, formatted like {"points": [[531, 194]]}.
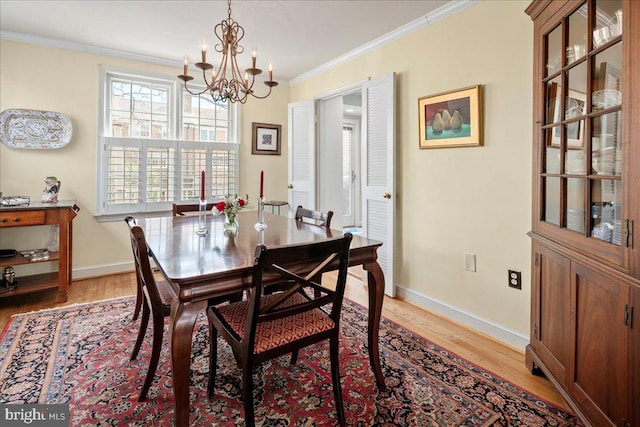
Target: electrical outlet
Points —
{"points": [[470, 262], [515, 279]]}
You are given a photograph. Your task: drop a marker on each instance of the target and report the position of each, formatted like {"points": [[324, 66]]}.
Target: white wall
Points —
{"points": [[458, 200]]}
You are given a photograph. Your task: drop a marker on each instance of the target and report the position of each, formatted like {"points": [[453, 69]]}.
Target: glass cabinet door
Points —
{"points": [[581, 171]]}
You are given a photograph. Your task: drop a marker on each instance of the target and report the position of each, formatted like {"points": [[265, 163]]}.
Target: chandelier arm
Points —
{"points": [[262, 97], [221, 81], [206, 82], [194, 92], [237, 75]]}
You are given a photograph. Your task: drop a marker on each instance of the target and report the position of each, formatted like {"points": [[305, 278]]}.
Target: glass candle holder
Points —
{"points": [[260, 225], [202, 218]]}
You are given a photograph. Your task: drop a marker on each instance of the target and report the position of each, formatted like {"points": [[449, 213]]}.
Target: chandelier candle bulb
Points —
{"points": [[270, 71], [204, 51], [186, 65]]}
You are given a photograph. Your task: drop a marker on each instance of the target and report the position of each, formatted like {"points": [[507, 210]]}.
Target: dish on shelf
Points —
{"points": [[35, 254], [14, 200], [7, 253], [606, 98], [601, 36], [603, 162], [603, 231], [35, 129]]}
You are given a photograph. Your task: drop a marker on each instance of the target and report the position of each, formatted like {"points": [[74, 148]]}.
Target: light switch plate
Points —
{"points": [[470, 262]]}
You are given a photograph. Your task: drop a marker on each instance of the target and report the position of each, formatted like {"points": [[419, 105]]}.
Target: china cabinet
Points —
{"points": [[34, 214], [585, 336]]}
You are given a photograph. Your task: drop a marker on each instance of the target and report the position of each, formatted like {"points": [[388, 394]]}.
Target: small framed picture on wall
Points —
{"points": [[265, 139]]}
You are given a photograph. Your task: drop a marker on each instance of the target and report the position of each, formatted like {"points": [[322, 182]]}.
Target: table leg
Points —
{"points": [[375, 281], [183, 318]]}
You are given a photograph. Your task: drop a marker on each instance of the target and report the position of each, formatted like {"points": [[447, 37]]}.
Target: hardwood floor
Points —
{"points": [[478, 348]]}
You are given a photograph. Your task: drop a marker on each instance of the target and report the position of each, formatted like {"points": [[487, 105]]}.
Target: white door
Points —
{"points": [[378, 170], [302, 156], [329, 154]]}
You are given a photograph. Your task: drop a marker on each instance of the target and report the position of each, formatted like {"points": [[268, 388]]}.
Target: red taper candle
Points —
{"points": [[202, 185], [261, 182]]}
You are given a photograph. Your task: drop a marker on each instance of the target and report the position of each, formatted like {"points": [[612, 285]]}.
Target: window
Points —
{"points": [[155, 139]]}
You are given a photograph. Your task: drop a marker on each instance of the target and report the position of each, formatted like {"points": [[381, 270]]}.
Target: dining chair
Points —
{"points": [[314, 217], [155, 301], [263, 327], [180, 209]]}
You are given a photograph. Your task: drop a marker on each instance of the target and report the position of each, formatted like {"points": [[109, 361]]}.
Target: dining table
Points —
{"points": [[202, 267]]}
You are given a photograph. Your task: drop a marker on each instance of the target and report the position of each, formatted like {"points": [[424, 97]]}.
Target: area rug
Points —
{"points": [[80, 355]]}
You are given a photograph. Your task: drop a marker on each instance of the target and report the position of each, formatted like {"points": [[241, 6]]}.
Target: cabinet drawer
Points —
{"points": [[17, 219]]}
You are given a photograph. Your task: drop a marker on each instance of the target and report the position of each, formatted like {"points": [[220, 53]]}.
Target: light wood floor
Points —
{"points": [[478, 348]]}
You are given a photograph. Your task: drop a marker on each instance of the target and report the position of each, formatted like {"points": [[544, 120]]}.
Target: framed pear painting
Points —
{"points": [[451, 119]]}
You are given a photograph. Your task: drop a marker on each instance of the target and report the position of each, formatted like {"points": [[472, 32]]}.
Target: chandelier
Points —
{"points": [[227, 81]]}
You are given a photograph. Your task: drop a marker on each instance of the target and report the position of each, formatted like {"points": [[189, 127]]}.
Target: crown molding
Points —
{"points": [[439, 14], [81, 47], [85, 48]]}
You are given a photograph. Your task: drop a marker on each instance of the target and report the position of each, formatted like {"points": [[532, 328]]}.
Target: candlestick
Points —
{"points": [[261, 183], [260, 225], [202, 186], [202, 218]]}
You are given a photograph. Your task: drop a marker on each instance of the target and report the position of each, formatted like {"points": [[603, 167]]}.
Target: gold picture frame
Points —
{"points": [[451, 119]]}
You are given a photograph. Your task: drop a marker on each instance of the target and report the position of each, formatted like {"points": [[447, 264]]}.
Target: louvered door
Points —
{"points": [[378, 170], [302, 156]]}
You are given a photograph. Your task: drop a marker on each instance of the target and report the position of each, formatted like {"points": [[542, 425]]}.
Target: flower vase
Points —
{"points": [[231, 222]]}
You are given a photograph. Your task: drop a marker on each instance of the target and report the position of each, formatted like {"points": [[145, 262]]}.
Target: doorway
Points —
{"points": [[361, 191], [351, 149], [340, 143]]}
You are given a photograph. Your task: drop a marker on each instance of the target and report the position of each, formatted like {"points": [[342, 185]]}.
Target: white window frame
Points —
{"points": [[114, 211]]}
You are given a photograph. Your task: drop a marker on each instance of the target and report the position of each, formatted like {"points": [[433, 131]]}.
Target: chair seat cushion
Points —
{"points": [[276, 333]]}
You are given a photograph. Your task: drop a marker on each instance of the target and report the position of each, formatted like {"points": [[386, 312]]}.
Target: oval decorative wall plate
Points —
{"points": [[35, 129]]}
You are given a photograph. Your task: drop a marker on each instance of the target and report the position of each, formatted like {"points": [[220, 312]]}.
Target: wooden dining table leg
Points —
{"points": [[375, 281], [183, 319]]}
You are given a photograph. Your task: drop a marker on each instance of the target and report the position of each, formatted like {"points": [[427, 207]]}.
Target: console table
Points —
{"points": [[62, 214]]}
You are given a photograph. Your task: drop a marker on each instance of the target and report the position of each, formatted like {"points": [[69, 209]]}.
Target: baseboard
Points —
{"points": [[497, 332], [101, 270]]}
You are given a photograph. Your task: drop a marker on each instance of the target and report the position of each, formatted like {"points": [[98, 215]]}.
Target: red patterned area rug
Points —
{"points": [[80, 355]]}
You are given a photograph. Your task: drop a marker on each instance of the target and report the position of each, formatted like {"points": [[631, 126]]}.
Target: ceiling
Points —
{"points": [[297, 36]]}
